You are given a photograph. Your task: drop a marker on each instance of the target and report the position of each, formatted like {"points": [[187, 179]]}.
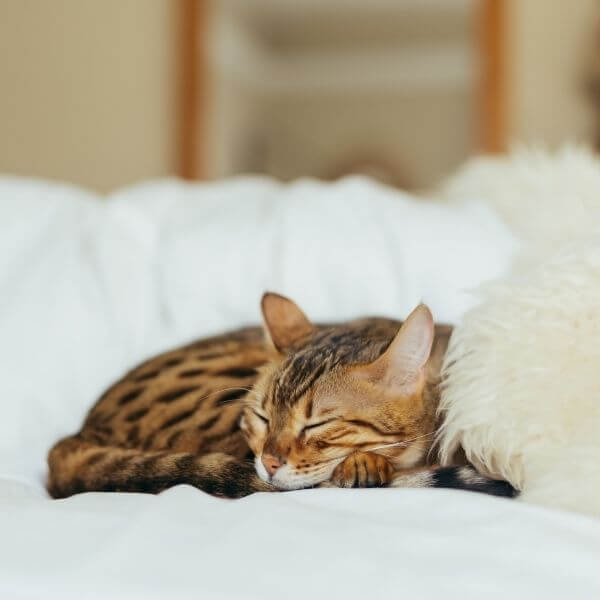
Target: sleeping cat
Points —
{"points": [[294, 406]]}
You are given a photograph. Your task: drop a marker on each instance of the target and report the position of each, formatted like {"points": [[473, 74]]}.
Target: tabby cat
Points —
{"points": [[292, 406]]}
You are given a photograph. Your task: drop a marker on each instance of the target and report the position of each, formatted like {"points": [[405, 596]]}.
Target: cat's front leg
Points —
{"points": [[363, 469]]}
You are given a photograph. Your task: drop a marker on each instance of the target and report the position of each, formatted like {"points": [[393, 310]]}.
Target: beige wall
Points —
{"points": [[87, 89], [547, 47]]}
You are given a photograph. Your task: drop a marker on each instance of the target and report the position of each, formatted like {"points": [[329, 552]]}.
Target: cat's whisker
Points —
{"points": [[403, 443], [421, 436], [392, 445], [329, 460]]}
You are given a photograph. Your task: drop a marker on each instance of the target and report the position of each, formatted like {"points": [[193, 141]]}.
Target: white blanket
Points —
{"points": [[308, 544], [89, 287]]}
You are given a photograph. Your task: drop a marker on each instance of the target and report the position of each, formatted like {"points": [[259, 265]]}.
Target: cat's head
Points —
{"points": [[335, 390]]}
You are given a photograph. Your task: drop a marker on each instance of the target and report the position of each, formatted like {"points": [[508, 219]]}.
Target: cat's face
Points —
{"points": [[332, 392]]}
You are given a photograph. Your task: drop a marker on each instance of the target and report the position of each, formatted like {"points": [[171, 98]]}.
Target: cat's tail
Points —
{"points": [[458, 478], [77, 465]]}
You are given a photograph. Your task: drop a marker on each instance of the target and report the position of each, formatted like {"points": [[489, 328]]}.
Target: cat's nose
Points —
{"points": [[271, 463]]}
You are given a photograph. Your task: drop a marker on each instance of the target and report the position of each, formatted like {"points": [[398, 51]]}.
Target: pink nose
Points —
{"points": [[271, 463]]}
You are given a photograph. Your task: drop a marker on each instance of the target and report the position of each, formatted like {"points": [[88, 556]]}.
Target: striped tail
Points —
{"points": [[457, 478], [79, 466]]}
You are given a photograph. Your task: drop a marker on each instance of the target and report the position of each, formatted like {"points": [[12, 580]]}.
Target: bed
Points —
{"points": [[89, 286]]}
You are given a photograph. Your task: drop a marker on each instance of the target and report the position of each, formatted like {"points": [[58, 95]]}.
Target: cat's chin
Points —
{"points": [[286, 479], [289, 482]]}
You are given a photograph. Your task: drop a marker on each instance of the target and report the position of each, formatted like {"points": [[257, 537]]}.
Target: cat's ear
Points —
{"points": [[400, 367], [285, 323]]}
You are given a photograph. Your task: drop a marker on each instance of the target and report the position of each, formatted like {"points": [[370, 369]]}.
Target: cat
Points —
{"points": [[288, 406]]}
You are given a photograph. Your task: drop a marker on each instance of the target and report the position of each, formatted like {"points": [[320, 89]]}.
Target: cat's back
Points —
{"points": [[183, 399]]}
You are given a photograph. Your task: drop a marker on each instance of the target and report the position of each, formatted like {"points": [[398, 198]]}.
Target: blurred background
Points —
{"points": [[105, 93]]}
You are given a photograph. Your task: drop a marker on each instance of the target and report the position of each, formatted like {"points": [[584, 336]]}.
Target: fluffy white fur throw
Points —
{"points": [[522, 375]]}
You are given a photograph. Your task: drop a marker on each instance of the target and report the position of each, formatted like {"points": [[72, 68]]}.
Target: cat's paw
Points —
{"points": [[363, 469]]}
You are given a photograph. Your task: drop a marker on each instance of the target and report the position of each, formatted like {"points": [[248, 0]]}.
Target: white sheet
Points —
{"points": [[88, 288], [309, 544]]}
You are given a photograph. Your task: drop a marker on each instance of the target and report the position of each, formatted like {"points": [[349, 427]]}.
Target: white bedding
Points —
{"points": [[89, 287]]}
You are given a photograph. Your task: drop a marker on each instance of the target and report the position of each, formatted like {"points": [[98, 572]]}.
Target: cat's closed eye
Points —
{"points": [[315, 425], [261, 417]]}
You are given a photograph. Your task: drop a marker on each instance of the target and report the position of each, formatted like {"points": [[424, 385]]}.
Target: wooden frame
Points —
{"points": [[492, 97], [193, 19], [194, 82]]}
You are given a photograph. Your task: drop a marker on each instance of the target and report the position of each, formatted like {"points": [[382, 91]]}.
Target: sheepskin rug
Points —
{"points": [[522, 374]]}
